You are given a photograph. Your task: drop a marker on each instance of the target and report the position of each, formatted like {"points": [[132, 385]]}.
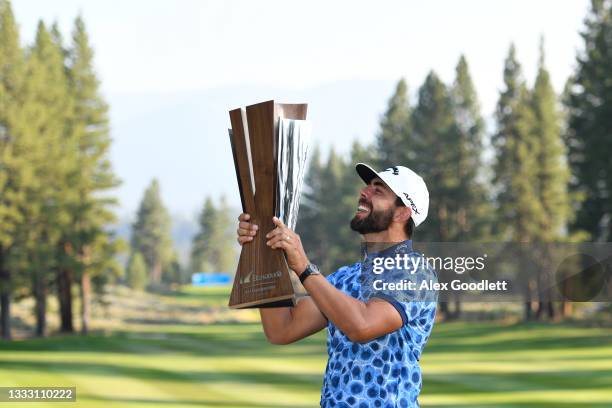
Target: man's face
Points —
{"points": [[375, 209]]}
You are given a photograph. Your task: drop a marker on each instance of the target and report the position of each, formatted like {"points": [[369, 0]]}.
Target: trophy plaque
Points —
{"points": [[269, 143]]}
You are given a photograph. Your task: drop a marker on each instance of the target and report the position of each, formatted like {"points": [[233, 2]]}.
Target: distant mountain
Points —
{"points": [[182, 138]]}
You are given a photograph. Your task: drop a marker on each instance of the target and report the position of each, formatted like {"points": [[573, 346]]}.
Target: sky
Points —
{"points": [[171, 69]]}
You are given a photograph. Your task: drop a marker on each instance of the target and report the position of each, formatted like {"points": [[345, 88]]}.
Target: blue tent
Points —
{"points": [[210, 279]]}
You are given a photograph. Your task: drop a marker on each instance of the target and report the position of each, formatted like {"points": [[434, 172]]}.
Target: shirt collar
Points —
{"points": [[397, 248]]}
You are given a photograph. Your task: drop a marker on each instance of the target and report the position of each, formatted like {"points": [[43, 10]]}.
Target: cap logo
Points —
{"points": [[394, 169], [412, 204]]}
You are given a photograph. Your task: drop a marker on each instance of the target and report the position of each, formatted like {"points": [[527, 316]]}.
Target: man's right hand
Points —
{"points": [[246, 230]]}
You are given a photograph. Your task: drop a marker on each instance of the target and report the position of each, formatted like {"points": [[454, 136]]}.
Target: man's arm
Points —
{"points": [[289, 324], [360, 321]]}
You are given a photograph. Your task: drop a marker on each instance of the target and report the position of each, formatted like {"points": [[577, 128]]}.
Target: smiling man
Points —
{"points": [[375, 339]]}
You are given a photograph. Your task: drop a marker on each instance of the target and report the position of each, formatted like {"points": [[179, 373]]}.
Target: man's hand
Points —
{"points": [[283, 238], [246, 231]]}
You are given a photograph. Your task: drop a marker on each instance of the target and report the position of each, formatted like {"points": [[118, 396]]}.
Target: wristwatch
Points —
{"points": [[311, 269]]}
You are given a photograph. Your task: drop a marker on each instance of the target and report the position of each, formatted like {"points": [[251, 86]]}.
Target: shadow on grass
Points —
{"points": [[163, 321], [526, 405], [227, 340], [198, 403], [287, 380], [219, 294], [491, 383], [471, 383], [449, 337], [248, 340]]}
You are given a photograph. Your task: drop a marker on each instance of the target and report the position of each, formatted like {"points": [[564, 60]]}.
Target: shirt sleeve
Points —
{"points": [[331, 278], [411, 305], [334, 276]]}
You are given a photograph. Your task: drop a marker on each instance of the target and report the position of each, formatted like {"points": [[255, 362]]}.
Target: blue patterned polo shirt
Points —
{"points": [[383, 372]]}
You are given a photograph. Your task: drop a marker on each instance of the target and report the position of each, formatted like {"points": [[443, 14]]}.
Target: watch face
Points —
{"points": [[314, 268]]}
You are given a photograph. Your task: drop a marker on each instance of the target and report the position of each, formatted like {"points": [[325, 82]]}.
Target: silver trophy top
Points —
{"points": [[292, 150]]}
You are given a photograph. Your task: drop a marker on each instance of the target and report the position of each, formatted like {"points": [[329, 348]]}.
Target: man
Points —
{"points": [[375, 339]]}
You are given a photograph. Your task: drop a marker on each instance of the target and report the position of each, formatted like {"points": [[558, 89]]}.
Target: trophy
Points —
{"points": [[269, 143]]}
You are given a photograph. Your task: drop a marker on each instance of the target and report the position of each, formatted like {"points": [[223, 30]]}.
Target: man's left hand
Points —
{"points": [[283, 238]]}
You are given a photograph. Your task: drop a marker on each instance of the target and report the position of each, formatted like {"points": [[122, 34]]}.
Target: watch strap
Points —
{"points": [[309, 271]]}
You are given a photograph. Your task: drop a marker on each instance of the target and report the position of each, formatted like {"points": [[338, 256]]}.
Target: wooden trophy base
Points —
{"points": [[275, 288]]}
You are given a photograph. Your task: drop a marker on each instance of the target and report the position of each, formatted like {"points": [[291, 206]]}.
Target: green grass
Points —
{"points": [[231, 365], [205, 296]]}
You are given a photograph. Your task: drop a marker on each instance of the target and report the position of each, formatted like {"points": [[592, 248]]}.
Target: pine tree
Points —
{"points": [[516, 167], [309, 225], [49, 106], [92, 175], [349, 187], [519, 211], [472, 212], [224, 238], [174, 273], [461, 198], [200, 247], [151, 233], [334, 216], [553, 173], [433, 120], [323, 222], [99, 265], [552, 177], [394, 138], [590, 124], [14, 168], [361, 154], [439, 143], [214, 248], [137, 272], [65, 262]]}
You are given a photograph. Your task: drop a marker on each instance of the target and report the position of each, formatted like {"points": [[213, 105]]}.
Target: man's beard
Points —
{"points": [[376, 221]]}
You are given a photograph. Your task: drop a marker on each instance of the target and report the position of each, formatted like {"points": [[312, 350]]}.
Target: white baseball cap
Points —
{"points": [[405, 183]]}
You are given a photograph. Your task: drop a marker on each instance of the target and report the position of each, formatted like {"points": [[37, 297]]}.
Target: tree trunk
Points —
{"points": [[457, 311], [550, 309], [540, 290], [40, 294], [545, 305], [443, 237], [528, 311], [5, 298], [566, 308], [539, 310], [156, 272], [528, 306], [5, 314], [64, 294], [444, 314], [85, 299], [528, 302]]}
